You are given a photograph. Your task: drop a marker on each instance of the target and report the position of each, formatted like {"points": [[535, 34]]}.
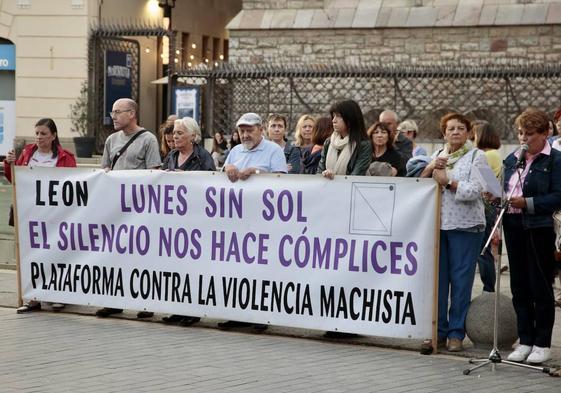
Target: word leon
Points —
{"points": [[68, 193]]}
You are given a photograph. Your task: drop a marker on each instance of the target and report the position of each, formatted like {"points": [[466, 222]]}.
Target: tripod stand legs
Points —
{"points": [[495, 358]]}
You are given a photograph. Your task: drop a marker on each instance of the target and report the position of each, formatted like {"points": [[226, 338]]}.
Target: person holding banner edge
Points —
{"points": [[462, 226], [45, 152], [535, 177], [130, 147]]}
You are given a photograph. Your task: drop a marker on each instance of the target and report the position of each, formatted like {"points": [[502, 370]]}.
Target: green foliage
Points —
{"points": [[79, 112]]}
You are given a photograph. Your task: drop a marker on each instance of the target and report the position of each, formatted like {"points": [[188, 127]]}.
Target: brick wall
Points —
{"points": [[397, 45]]}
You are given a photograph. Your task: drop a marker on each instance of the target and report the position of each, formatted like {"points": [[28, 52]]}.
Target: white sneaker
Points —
{"points": [[520, 353], [539, 355]]}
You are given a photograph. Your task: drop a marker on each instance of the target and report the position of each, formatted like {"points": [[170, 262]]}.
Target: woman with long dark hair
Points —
{"points": [[348, 151], [45, 152], [219, 149]]}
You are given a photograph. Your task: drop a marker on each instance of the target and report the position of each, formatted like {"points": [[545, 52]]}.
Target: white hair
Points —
{"points": [[190, 125]]}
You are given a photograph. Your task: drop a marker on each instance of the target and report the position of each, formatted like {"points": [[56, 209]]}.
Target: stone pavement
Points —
{"points": [[74, 351], [47, 352]]}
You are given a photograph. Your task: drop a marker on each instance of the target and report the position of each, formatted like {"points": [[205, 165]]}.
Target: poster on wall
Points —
{"points": [[7, 125], [7, 57], [118, 80], [186, 102]]}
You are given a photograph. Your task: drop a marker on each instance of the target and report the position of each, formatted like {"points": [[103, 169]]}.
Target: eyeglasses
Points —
{"points": [[117, 113]]}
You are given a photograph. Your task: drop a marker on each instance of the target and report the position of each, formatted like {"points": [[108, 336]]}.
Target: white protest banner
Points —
{"points": [[353, 254]]}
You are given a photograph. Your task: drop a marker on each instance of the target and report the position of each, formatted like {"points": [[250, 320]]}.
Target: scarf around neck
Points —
{"points": [[455, 156], [338, 154]]}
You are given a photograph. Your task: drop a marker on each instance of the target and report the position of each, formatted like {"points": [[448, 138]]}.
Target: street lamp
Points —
{"points": [[167, 5]]}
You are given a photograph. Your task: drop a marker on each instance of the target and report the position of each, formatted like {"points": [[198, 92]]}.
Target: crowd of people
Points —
{"points": [[342, 144]]}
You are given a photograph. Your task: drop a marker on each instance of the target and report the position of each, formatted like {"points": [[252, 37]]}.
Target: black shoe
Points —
{"points": [[332, 334], [173, 318], [188, 321], [144, 314], [232, 324], [260, 328], [107, 311]]}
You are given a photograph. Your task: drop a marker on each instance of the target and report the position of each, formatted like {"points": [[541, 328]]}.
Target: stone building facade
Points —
{"points": [[396, 31]]}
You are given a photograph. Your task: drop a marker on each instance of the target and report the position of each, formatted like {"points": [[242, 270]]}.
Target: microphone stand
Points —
{"points": [[495, 356]]}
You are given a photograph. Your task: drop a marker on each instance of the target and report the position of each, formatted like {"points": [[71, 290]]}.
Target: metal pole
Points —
{"points": [[171, 68]]}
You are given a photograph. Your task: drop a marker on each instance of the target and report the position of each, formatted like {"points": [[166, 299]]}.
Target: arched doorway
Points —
{"points": [[7, 95]]}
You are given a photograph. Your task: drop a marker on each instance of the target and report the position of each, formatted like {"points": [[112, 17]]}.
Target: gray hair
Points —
{"points": [[390, 113], [190, 125]]}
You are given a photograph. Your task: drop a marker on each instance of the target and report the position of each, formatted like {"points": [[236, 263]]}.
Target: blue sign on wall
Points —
{"points": [[118, 79], [7, 57]]}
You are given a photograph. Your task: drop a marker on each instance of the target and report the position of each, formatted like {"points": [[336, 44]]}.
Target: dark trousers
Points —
{"points": [[486, 262], [531, 262]]}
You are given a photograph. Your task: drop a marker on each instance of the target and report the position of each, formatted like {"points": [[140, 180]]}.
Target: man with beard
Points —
{"points": [[255, 154]]}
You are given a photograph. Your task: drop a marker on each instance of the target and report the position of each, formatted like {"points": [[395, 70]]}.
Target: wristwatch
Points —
{"points": [[448, 185]]}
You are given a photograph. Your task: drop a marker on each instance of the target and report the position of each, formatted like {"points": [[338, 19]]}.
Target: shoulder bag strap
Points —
{"points": [[125, 147]]}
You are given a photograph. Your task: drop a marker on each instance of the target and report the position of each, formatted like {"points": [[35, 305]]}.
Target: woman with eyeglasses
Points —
{"points": [[462, 226], [45, 152], [383, 148]]}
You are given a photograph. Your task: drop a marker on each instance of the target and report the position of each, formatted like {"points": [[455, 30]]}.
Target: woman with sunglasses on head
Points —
{"points": [[45, 152]]}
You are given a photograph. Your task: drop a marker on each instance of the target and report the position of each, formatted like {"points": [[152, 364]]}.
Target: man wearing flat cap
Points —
{"points": [[255, 154]]}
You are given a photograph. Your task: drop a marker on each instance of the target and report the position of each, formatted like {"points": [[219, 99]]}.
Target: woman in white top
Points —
{"points": [[462, 225]]}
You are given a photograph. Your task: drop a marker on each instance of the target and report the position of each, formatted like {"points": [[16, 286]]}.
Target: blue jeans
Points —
{"points": [[458, 257]]}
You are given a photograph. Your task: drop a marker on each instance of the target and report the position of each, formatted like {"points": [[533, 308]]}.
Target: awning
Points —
{"points": [[164, 81], [161, 81]]}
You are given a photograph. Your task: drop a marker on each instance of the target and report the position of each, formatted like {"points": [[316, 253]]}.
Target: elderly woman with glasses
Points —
{"points": [[462, 225]]}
